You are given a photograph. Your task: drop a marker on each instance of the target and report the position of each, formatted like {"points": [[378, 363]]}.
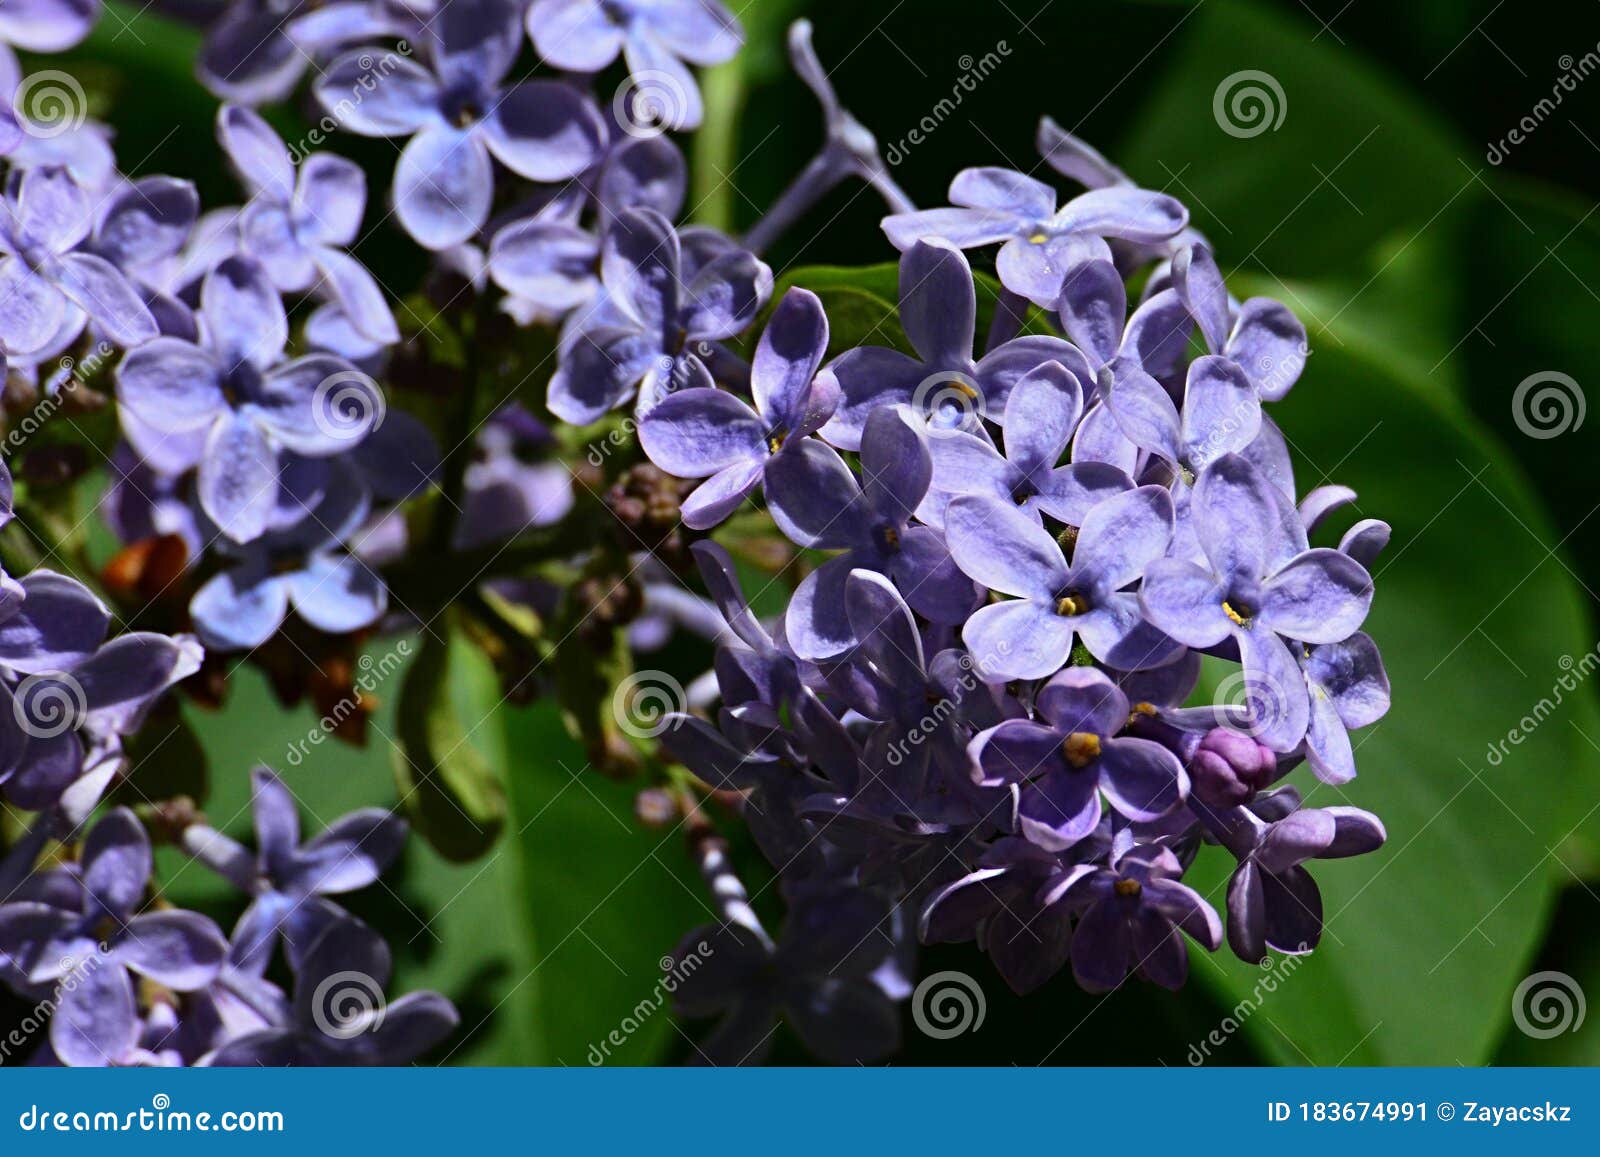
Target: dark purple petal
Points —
{"points": [[938, 304], [181, 950], [1198, 282], [116, 863], [1094, 308], [96, 1023], [1322, 596], [443, 185], [1270, 343], [696, 433], [1129, 213], [1142, 779], [1018, 639], [1004, 549], [544, 130]]}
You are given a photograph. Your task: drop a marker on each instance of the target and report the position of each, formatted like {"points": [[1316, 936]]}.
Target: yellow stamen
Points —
{"points": [[1071, 605], [1081, 748], [1238, 619], [1127, 887]]}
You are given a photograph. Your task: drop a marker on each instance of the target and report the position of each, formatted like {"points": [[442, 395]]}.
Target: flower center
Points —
{"points": [[1241, 615], [888, 538], [1127, 887], [1071, 604], [1081, 748], [775, 442]]}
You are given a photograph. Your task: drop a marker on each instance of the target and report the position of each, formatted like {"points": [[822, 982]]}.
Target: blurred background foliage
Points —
{"points": [[1433, 282]]}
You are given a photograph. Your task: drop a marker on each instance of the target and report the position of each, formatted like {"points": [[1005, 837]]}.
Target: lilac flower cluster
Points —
{"points": [[975, 711], [1010, 554]]}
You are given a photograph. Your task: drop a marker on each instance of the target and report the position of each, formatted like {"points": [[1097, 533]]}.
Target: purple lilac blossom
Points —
{"points": [[658, 38], [1040, 242], [458, 115], [299, 224], [235, 390], [663, 312], [44, 279], [287, 880]]}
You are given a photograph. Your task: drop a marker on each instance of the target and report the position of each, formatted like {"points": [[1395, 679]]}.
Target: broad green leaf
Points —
{"points": [[448, 786], [1353, 158], [1474, 615], [1532, 289], [610, 899]]}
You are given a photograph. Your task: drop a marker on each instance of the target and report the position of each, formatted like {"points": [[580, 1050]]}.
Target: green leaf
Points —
{"points": [[1354, 157], [610, 900], [1532, 288], [447, 784], [1474, 616]]}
